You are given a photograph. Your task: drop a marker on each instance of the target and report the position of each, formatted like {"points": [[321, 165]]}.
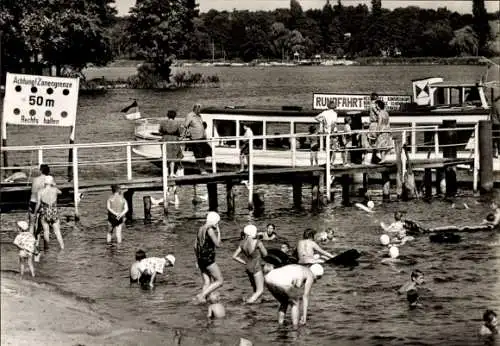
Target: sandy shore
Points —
{"points": [[36, 314]]}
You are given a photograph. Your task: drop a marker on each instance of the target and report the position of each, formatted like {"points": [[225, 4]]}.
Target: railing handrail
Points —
{"points": [[430, 128]]}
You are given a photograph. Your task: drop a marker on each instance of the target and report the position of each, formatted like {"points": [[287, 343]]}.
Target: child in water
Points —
{"points": [[25, 241], [490, 323], [307, 247], [416, 280], [398, 228], [215, 309], [269, 234], [135, 273], [117, 209]]}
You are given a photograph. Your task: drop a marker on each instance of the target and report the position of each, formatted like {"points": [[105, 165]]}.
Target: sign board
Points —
{"points": [[359, 102], [40, 100]]}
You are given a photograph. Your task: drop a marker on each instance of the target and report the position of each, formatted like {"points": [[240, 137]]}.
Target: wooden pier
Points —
{"points": [[318, 178]]}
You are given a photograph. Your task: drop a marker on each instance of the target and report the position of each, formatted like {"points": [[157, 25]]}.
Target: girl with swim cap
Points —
{"points": [[254, 250], [207, 239]]}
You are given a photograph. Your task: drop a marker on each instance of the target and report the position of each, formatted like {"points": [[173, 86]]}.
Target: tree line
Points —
{"points": [[70, 35]]}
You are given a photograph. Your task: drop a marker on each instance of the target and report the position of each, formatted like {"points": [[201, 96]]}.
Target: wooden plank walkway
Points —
{"points": [[284, 175]]}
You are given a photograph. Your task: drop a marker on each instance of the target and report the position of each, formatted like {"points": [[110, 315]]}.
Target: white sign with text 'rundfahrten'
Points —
{"points": [[40, 100]]}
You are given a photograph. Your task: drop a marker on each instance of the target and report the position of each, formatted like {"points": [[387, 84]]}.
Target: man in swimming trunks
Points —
{"points": [[37, 184], [117, 208], [288, 284], [307, 247], [47, 207]]}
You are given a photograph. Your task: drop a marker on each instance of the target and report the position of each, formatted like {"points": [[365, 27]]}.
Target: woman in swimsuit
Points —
{"points": [[204, 247], [254, 250], [47, 207]]}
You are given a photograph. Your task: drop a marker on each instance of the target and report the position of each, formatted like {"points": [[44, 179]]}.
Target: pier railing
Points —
{"points": [[90, 160]]}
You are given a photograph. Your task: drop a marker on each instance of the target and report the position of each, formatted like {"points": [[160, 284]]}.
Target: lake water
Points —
{"points": [[355, 306]]}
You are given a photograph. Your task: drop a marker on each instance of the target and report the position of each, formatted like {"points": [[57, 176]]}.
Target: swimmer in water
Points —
{"points": [[490, 323], [413, 299], [416, 280], [269, 234], [395, 227], [150, 266], [290, 283], [215, 309], [493, 218], [307, 247], [330, 233], [135, 274]]}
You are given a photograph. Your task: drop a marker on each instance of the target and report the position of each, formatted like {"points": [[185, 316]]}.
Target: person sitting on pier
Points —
{"points": [[49, 215], [307, 247], [245, 147], [269, 234], [117, 209], [150, 266], [135, 273]]}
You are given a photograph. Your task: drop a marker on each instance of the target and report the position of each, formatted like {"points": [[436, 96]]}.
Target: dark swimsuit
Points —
{"points": [[49, 212], [113, 220], [205, 253], [253, 260]]}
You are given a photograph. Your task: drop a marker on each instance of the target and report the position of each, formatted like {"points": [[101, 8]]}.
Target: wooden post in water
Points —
{"points": [[147, 208], [428, 183], [164, 172], [346, 189], [485, 156], [213, 203], [129, 197], [230, 198], [70, 154], [297, 194], [76, 193], [449, 139], [475, 172], [386, 187], [315, 193]]}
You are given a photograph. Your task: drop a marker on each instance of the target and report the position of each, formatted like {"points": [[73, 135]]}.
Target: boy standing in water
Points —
{"points": [[117, 208], [416, 279]]}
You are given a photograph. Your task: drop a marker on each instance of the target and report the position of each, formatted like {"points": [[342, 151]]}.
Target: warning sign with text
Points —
{"points": [[359, 102], [40, 100]]}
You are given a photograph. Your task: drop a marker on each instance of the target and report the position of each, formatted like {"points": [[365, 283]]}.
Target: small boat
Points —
{"points": [[433, 101]]}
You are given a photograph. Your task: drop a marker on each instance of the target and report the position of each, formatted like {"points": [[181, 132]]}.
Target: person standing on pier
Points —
{"points": [[49, 215], [328, 121], [194, 130], [245, 147], [207, 239], [117, 208], [37, 184], [171, 131], [384, 139]]}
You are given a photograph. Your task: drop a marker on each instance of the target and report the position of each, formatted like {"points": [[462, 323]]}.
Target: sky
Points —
{"points": [[461, 6]]}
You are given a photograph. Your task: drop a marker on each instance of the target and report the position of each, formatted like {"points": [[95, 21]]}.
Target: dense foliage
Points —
{"points": [[336, 30]]}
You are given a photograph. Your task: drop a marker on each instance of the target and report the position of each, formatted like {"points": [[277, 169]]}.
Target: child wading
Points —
{"points": [[117, 208], [25, 241]]}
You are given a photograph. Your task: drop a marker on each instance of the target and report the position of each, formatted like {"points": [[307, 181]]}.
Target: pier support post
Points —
{"points": [[146, 200], [449, 139], [297, 194], [128, 195], [399, 167], [346, 189], [230, 198], [316, 194], [485, 156], [428, 183], [213, 203]]}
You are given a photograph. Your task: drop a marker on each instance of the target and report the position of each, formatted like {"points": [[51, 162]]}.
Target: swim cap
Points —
{"points": [[212, 218], [317, 270], [250, 230], [322, 236], [370, 204], [384, 239], [394, 252], [23, 225], [170, 258]]}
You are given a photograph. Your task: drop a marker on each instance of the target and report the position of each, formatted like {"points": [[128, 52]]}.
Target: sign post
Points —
{"points": [[39, 101]]}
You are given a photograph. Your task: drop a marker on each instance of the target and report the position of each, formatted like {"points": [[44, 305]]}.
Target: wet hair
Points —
{"points": [[270, 224], [488, 315], [115, 188], [140, 255], [380, 104], [171, 114], [398, 216], [412, 296], [309, 233], [373, 96], [490, 217], [415, 274], [45, 169]]}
